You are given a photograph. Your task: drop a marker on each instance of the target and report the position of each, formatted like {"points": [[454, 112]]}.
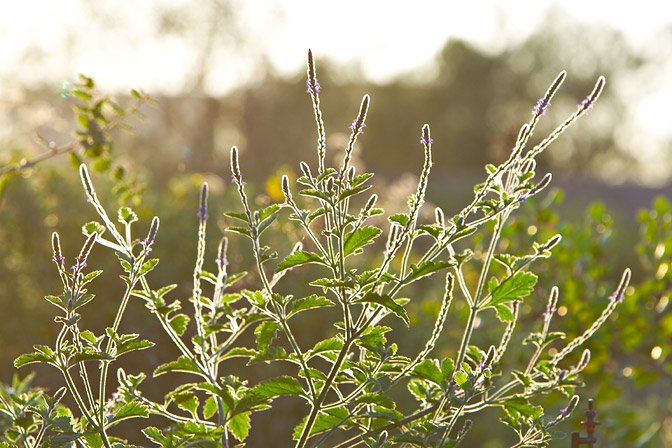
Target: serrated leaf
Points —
{"points": [[374, 398], [306, 303], [387, 302], [324, 421], [431, 229], [316, 194], [461, 378], [59, 301], [331, 344], [429, 267], [28, 358], [359, 238], [210, 407], [126, 216], [241, 352], [131, 410], [429, 370], [266, 333], [179, 323], [90, 355], [239, 425], [241, 230], [148, 266], [281, 385], [399, 218], [352, 191], [241, 216], [298, 258], [517, 287], [504, 313], [182, 364]]}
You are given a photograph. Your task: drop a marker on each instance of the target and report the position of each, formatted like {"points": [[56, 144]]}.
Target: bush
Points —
{"points": [[352, 382]]}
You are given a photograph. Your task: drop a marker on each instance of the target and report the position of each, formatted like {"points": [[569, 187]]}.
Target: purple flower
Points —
{"points": [[202, 213], [617, 296], [426, 140], [79, 265], [313, 87], [239, 180], [484, 367], [542, 106], [147, 244], [59, 260], [358, 126], [564, 412], [586, 104]]}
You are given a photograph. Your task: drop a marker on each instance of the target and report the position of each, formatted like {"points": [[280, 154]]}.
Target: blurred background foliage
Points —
{"points": [[475, 102]]}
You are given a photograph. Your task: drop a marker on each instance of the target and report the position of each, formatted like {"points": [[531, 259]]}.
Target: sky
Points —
{"points": [[116, 41]]}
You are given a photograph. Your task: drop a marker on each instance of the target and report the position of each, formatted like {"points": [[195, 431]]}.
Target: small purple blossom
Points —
{"points": [[484, 367], [147, 244], [542, 106], [59, 260], [358, 126], [564, 412], [221, 261], [617, 296], [313, 86], [202, 213], [426, 140], [586, 104], [79, 265], [239, 180]]}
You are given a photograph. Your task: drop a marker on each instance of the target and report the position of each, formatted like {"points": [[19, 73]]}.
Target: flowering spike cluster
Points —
{"points": [[619, 294], [542, 107], [58, 258], [313, 86], [221, 254], [551, 306], [358, 124], [426, 139], [587, 103], [151, 235], [86, 181], [202, 212]]}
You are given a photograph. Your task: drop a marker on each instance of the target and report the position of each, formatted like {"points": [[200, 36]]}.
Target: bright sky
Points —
{"points": [[55, 40]]}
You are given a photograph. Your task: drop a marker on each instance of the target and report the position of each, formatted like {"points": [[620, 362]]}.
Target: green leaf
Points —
{"points": [[241, 230], [387, 302], [87, 355], [297, 258], [461, 378], [306, 303], [28, 358], [282, 385], [148, 266], [429, 267], [316, 194], [210, 407], [182, 364], [241, 216], [324, 421], [327, 345], [266, 333], [374, 398], [352, 191], [239, 425], [429, 370], [359, 238], [131, 410], [504, 313], [127, 216], [399, 218], [60, 301], [517, 287], [179, 323]]}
